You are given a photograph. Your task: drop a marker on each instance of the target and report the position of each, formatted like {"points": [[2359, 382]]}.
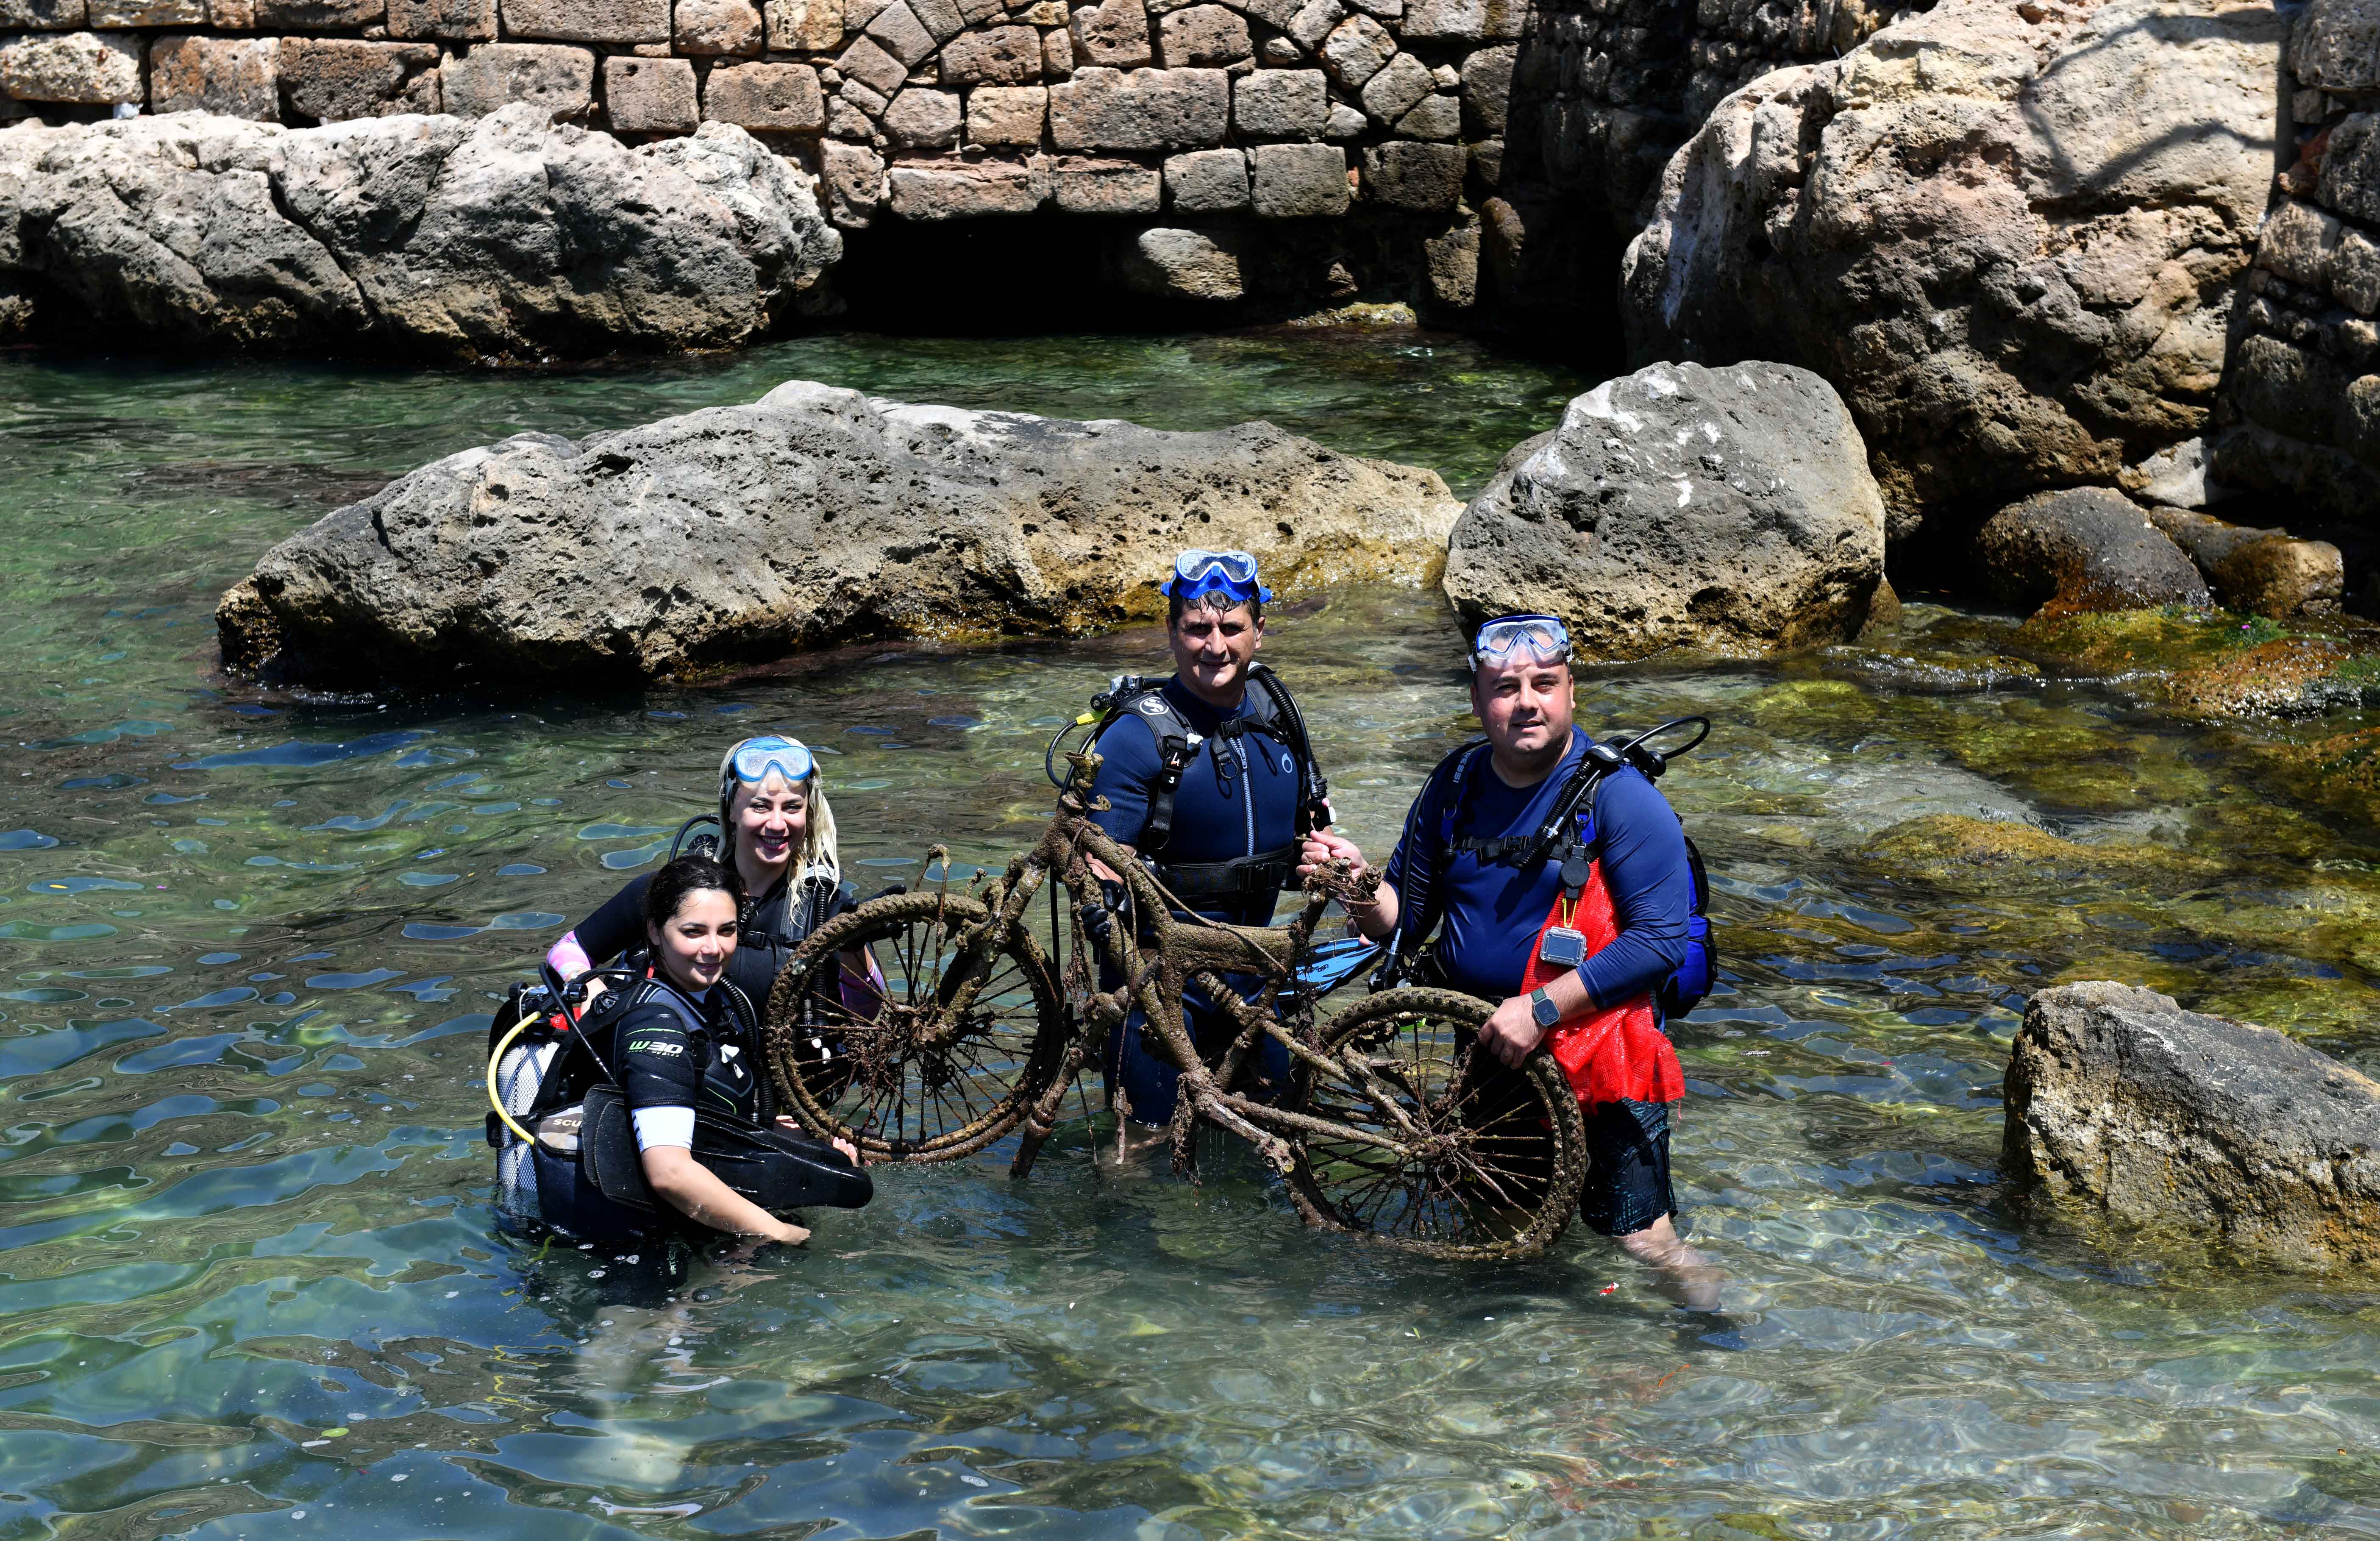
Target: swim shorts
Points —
{"points": [[1627, 1180]]}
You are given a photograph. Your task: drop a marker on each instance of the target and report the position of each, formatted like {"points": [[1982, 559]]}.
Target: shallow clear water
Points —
{"points": [[247, 947]]}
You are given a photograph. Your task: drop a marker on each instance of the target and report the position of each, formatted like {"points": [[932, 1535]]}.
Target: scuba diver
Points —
{"points": [[1210, 779], [780, 842], [652, 1110]]}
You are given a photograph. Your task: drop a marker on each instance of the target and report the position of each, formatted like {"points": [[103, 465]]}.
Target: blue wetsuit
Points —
{"points": [[1493, 913], [1238, 797]]}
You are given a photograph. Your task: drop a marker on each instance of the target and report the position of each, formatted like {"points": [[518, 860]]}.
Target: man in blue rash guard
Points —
{"points": [[1493, 912], [1207, 775]]}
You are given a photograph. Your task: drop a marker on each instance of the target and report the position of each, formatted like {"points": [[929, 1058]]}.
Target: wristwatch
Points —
{"points": [[1542, 1009]]}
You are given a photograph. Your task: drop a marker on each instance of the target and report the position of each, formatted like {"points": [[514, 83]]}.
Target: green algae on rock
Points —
{"points": [[1951, 850]]}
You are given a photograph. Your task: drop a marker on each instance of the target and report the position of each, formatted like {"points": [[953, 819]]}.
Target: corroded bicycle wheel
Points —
{"points": [[1492, 1160], [893, 1070]]}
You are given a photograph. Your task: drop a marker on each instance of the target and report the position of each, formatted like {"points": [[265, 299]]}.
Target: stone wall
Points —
{"points": [[2302, 392], [1223, 143], [1604, 92]]}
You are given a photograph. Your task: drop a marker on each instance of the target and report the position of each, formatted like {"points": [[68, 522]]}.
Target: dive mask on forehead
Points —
{"points": [[752, 761], [1515, 639], [1232, 574]]}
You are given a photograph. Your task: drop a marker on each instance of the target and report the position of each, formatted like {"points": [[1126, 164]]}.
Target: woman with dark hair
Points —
{"points": [[681, 1048]]}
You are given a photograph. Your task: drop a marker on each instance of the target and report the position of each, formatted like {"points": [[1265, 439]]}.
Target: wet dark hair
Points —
{"points": [[688, 875], [1214, 600]]}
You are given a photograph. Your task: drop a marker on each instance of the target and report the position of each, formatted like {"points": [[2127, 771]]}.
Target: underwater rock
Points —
{"points": [[503, 236], [2085, 548], [2258, 572], [2123, 1103], [1951, 850], [811, 518], [2009, 233], [1680, 506]]}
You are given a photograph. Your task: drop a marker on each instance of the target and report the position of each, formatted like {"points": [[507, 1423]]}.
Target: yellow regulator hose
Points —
{"points": [[495, 1099]]}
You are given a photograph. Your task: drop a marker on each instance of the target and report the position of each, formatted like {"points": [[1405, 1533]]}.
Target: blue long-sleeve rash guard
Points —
{"points": [[1238, 797], [1493, 912]]}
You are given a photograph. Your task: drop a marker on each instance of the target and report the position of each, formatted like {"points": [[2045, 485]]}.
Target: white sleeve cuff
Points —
{"points": [[665, 1126]]}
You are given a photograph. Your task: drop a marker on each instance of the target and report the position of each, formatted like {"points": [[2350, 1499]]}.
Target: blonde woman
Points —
{"points": [[780, 835]]}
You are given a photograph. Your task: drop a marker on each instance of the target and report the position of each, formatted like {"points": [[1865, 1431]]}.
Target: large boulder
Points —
{"points": [[2121, 1103], [2305, 384], [1723, 509], [2082, 549], [813, 517], [2008, 232], [502, 236]]}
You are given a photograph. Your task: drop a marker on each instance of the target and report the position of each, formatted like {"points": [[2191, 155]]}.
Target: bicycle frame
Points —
{"points": [[1178, 952]]}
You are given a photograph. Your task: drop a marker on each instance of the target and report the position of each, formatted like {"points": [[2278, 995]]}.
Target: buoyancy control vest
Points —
{"points": [[1567, 836], [579, 1112], [1269, 709]]}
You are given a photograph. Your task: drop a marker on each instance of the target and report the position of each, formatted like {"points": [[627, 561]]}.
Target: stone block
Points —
{"points": [[1274, 14], [866, 62], [1464, 20], [1488, 85], [1313, 22], [1199, 36], [784, 98], [855, 183], [338, 79], [2355, 274], [923, 119], [1057, 53], [85, 68], [960, 192], [716, 28], [237, 77], [1345, 122], [1184, 264], [993, 56], [1280, 52], [447, 21], [978, 12], [1148, 109], [1452, 259], [1355, 50], [1488, 165], [649, 96], [1280, 105], [2350, 170], [1298, 181], [2299, 242], [857, 14], [1206, 182], [2335, 46], [1402, 84], [1006, 116], [1112, 36], [1087, 186], [612, 21], [803, 26], [941, 19], [560, 80], [1437, 117], [232, 15], [125, 15], [319, 16], [1421, 178], [899, 32], [43, 16]]}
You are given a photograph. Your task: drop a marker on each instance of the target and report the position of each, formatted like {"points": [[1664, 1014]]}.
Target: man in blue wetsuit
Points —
{"points": [[1458, 868], [1209, 777]]}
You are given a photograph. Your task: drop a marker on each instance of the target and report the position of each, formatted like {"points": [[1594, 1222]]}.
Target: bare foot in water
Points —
{"points": [[1691, 1278]]}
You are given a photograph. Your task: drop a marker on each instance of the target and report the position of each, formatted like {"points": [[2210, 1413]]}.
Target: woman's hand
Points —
{"points": [[790, 1234], [850, 1151]]}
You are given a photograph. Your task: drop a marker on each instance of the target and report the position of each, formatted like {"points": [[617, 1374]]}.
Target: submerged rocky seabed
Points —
{"points": [[253, 1284]]}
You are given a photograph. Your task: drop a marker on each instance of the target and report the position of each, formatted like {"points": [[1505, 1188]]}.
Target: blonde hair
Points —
{"points": [[819, 856]]}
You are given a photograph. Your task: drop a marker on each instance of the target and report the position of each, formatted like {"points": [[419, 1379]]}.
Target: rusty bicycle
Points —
{"points": [[1392, 1125]]}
